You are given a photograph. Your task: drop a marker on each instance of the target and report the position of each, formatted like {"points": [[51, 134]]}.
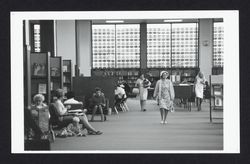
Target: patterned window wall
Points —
{"points": [[103, 46], [184, 45], [218, 47], [158, 45], [128, 46], [37, 38]]}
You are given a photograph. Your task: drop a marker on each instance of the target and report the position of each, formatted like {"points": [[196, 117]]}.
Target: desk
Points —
{"points": [[184, 92]]}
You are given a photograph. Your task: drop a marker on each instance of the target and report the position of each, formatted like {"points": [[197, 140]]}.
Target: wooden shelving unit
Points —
{"points": [[56, 73], [67, 75], [40, 75]]}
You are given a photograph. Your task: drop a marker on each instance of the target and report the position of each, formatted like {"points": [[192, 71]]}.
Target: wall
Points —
{"points": [[66, 42], [70, 34], [84, 50], [206, 51]]}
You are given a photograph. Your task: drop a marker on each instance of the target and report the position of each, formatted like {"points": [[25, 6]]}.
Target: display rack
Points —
{"points": [[55, 72], [67, 75], [216, 98], [40, 75]]}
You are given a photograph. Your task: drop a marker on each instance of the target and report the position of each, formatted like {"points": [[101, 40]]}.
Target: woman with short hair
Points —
{"points": [[164, 93]]}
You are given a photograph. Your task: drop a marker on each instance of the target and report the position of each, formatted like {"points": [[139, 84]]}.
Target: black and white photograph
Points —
{"points": [[125, 81]]}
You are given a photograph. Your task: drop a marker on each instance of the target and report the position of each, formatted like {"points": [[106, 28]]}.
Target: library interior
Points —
{"points": [[128, 84]]}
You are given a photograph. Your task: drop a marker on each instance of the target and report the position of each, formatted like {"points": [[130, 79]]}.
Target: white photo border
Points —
{"points": [[231, 127]]}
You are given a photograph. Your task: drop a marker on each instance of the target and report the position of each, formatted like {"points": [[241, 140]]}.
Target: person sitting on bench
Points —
{"points": [[98, 102]]}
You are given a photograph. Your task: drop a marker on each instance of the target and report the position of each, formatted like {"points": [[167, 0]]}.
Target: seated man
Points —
{"points": [[71, 98], [121, 97], [98, 102], [72, 103]]}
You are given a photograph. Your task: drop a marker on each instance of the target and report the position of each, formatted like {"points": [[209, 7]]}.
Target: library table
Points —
{"points": [[185, 92]]}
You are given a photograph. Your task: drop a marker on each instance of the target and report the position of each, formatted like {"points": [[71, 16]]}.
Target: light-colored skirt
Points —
{"points": [[143, 93], [165, 104]]}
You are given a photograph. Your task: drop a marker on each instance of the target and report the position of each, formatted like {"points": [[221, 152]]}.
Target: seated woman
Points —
{"points": [[98, 102], [67, 118], [40, 114], [38, 105]]}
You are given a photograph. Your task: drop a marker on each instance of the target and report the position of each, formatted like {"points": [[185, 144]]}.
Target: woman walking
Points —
{"points": [[199, 88], [164, 93], [143, 84]]}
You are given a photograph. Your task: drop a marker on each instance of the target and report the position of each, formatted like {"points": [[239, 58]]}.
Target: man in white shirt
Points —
{"points": [[121, 97], [71, 98]]}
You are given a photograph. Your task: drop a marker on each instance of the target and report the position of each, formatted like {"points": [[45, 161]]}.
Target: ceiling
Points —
{"points": [[138, 21]]}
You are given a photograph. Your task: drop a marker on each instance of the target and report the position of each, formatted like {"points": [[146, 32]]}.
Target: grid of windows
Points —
{"points": [[37, 38], [184, 45], [116, 46], [218, 47], [158, 45], [103, 44], [172, 45], [168, 45], [128, 46]]}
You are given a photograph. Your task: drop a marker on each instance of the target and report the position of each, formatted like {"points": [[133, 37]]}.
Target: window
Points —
{"points": [[158, 45], [103, 43], [184, 45], [116, 46], [218, 44], [128, 46], [172, 45], [37, 38]]}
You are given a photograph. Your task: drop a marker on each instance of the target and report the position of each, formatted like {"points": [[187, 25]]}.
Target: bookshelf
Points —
{"points": [[176, 75], [40, 75], [67, 75], [128, 75], [56, 72]]}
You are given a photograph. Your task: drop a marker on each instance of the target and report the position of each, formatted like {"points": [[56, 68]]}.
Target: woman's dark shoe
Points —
{"points": [[94, 133], [98, 133], [144, 110]]}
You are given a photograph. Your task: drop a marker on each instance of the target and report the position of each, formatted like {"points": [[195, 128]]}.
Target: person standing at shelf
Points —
{"points": [[143, 84], [199, 88], [164, 93]]}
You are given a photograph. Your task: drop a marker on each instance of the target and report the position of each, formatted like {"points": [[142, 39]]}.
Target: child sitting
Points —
{"points": [[73, 129], [98, 102]]}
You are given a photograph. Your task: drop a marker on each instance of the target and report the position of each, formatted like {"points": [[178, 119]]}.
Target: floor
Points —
{"points": [[136, 130]]}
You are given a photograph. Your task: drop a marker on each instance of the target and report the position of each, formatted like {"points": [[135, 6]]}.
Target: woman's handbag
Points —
{"points": [[135, 91]]}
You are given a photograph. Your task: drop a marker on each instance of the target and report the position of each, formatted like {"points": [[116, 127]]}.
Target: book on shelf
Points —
{"points": [[65, 68], [65, 89], [42, 88], [55, 71]]}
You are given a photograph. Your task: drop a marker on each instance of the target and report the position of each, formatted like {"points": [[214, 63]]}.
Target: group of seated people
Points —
{"points": [[60, 111]]}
